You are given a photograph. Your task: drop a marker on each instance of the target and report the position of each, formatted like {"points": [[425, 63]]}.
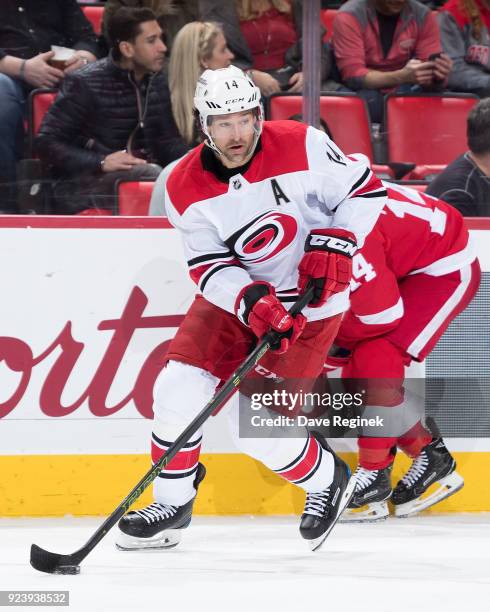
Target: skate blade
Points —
{"points": [[447, 486], [163, 541], [344, 502], [370, 513]]}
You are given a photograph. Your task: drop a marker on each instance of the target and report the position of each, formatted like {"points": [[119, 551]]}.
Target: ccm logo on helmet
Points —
{"points": [[235, 101], [332, 243]]}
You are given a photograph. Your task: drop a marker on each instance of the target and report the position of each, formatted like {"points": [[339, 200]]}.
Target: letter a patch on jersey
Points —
{"points": [[278, 193]]}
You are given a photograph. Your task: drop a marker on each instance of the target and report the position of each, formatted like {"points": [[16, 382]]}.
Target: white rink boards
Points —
{"points": [[89, 306]]}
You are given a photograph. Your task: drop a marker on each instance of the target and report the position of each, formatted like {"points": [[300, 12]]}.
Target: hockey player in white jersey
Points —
{"points": [[264, 208]]}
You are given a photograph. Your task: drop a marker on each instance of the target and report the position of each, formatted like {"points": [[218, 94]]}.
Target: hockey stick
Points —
{"points": [[54, 563]]}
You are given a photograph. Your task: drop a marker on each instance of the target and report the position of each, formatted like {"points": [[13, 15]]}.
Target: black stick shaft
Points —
{"points": [[220, 398]]}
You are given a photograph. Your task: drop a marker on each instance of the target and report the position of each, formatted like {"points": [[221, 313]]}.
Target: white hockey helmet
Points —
{"points": [[223, 91]]}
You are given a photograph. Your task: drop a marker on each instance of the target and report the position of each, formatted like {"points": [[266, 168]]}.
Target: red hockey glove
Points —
{"points": [[258, 307], [327, 263]]}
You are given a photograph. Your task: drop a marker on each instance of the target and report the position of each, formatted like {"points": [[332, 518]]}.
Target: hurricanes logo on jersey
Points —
{"points": [[264, 237]]}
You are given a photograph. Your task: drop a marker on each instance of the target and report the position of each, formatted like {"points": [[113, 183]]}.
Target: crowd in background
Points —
{"points": [[124, 105]]}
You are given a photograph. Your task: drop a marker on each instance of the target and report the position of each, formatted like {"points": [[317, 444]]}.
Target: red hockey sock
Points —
{"points": [[376, 453], [414, 440], [379, 366]]}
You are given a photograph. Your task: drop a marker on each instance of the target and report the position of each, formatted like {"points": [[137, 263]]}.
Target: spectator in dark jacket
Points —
{"points": [[27, 31], [112, 120], [465, 183], [172, 15]]}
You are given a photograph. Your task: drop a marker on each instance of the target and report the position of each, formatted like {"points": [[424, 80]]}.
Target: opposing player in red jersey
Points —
{"points": [[415, 273], [264, 208]]}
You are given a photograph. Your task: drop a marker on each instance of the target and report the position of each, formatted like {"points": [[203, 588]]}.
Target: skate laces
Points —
{"points": [[364, 478], [156, 511], [416, 470], [317, 502]]}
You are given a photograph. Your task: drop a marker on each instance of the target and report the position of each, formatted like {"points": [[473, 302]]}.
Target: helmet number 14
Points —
{"points": [[231, 84]]}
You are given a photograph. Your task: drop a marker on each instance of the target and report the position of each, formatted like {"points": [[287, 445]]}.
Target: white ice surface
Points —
{"points": [[421, 564]]}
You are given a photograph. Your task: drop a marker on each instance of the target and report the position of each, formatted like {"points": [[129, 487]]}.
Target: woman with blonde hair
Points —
{"points": [[198, 46], [265, 36]]}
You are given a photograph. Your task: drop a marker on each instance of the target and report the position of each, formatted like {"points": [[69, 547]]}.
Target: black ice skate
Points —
{"points": [[157, 526], [323, 509], [370, 500], [433, 465]]}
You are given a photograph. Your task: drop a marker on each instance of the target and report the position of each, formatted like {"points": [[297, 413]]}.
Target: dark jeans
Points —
{"points": [[97, 192], [12, 102]]}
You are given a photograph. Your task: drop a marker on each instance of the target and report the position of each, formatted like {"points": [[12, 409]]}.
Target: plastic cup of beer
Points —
{"points": [[61, 56]]}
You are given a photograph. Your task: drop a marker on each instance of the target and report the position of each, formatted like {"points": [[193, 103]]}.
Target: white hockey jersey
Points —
{"points": [[254, 227]]}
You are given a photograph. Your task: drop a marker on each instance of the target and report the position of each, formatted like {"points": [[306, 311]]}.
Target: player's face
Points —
{"points": [[234, 136], [147, 52], [221, 56]]}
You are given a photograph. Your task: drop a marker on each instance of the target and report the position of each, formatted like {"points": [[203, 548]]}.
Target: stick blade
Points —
{"points": [[53, 563]]}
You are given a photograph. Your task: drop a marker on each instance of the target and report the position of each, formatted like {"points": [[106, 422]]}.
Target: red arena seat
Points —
{"points": [[94, 14], [95, 212], [428, 130], [134, 197], [346, 116], [426, 172]]}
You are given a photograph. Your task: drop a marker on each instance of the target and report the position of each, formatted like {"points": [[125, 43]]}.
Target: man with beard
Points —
{"points": [[264, 209]]}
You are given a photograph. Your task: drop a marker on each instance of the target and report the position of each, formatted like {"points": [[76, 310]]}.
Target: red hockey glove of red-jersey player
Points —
{"points": [[258, 307], [327, 263]]}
